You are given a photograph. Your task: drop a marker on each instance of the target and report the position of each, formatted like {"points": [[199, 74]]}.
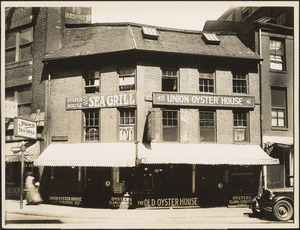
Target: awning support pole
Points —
{"points": [[23, 149]]}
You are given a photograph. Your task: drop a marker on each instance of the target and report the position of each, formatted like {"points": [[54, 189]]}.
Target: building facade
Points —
{"points": [[167, 117], [29, 35], [271, 34]]}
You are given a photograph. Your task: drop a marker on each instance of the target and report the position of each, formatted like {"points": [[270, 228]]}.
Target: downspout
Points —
{"points": [[263, 178]]}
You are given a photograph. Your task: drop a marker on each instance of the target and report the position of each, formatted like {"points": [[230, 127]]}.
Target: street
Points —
{"points": [[164, 218]]}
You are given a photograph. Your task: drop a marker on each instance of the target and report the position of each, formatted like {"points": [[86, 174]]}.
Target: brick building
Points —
{"points": [[169, 116], [269, 32], [29, 32]]}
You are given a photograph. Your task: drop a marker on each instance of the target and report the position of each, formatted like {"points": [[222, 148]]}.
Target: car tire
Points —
{"points": [[283, 210]]}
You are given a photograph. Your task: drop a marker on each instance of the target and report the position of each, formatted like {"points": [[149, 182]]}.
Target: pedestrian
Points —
{"points": [[32, 190]]}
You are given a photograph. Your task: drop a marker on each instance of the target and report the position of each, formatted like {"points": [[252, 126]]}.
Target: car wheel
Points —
{"points": [[283, 210]]}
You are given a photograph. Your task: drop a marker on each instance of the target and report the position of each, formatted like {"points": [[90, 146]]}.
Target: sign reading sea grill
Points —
{"points": [[101, 101], [203, 100], [25, 128]]}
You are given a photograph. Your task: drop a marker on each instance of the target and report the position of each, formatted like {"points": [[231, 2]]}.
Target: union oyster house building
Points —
{"points": [[169, 117]]}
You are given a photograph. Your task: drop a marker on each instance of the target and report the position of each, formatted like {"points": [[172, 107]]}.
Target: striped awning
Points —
{"points": [[88, 155], [205, 154], [31, 153]]}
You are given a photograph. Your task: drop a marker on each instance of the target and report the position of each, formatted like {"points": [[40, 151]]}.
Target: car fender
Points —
{"points": [[278, 198]]}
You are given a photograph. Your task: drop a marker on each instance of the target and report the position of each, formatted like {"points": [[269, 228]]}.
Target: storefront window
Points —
{"points": [[126, 78], [92, 81], [127, 124], [207, 126], [169, 80], [91, 125], [240, 123], [170, 125]]}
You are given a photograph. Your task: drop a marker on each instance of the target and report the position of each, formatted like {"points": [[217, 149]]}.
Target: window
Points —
{"points": [[18, 45], [206, 82], [169, 80], [150, 33], [240, 126], [211, 39], [126, 78], [170, 125], [207, 126], [92, 81], [281, 19], [277, 55], [127, 124], [278, 107], [239, 83], [91, 125]]}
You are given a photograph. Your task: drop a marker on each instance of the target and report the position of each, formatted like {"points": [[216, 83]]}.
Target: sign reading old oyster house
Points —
{"points": [[203, 100], [101, 101]]}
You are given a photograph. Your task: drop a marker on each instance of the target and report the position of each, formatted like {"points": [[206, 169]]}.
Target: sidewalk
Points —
{"points": [[13, 207]]}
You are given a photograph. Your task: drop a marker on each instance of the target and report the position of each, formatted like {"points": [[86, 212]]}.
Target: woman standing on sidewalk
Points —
{"points": [[32, 193]]}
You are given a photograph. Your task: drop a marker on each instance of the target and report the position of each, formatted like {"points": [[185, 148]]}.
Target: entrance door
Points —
{"points": [[97, 188]]}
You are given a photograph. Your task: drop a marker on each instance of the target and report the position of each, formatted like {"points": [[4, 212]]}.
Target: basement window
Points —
{"points": [[150, 33], [211, 39]]}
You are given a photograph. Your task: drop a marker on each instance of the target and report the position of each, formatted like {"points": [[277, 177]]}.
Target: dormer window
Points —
{"points": [[150, 33], [211, 39]]}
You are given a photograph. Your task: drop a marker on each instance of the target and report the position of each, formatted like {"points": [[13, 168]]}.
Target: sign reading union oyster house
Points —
{"points": [[203, 100], [101, 101]]}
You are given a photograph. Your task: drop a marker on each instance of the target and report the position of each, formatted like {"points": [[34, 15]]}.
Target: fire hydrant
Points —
{"points": [[125, 201]]}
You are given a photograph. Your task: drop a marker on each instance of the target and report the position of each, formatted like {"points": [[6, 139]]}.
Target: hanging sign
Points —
{"points": [[25, 128], [203, 100]]}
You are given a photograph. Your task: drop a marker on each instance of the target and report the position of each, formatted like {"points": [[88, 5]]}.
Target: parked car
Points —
{"points": [[279, 202]]}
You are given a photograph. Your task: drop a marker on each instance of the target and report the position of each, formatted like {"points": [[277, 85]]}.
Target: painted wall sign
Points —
{"points": [[203, 100], [240, 201], [101, 101], [78, 15], [68, 200], [11, 109], [169, 202], [25, 128]]}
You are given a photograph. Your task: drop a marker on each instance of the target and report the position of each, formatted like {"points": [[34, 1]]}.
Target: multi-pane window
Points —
{"points": [[91, 125], [170, 80], [239, 83], [126, 78], [278, 107], [277, 55], [18, 45], [207, 126], [206, 82], [240, 126], [127, 124], [92, 81], [170, 125]]}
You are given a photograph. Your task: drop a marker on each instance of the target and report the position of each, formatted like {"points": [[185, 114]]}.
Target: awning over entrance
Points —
{"points": [[31, 153], [205, 154], [278, 139], [88, 155]]}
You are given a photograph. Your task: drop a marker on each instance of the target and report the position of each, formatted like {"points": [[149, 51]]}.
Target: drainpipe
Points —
{"points": [[263, 178]]}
